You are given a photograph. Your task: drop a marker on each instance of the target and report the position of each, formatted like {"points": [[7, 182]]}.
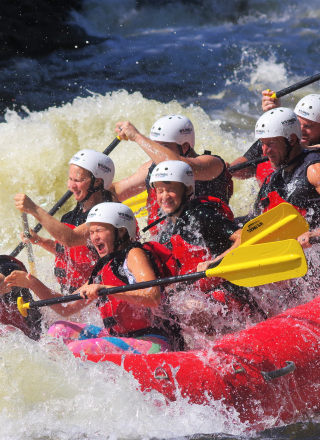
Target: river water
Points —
{"points": [[208, 61]]}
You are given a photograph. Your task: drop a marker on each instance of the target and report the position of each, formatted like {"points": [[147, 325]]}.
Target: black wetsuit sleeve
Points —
{"points": [[254, 151]]}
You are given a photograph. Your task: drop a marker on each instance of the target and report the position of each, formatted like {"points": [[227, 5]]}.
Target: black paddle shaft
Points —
{"points": [[298, 85], [127, 288], [62, 201], [248, 164]]}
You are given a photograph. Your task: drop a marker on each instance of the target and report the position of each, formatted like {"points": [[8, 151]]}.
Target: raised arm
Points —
{"points": [[204, 167], [65, 235]]}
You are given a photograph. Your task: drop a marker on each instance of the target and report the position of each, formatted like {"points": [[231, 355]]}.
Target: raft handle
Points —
{"points": [[278, 373], [161, 374]]}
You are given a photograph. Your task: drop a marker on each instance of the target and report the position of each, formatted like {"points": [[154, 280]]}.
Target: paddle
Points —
{"points": [[249, 163], [296, 86], [63, 200], [138, 204], [260, 264], [280, 223], [31, 260]]}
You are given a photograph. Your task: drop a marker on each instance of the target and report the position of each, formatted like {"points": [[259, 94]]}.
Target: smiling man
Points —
{"points": [[308, 112], [297, 176]]}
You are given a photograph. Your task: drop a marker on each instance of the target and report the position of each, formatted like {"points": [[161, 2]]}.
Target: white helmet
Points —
{"points": [[309, 108], [100, 165], [173, 128], [173, 171], [279, 121], [115, 214]]}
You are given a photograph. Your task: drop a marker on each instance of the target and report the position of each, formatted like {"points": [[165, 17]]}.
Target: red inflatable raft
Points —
{"points": [[269, 373]]}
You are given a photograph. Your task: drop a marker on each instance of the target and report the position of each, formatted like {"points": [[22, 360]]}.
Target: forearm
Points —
{"points": [[58, 230], [244, 174], [157, 153], [43, 292], [47, 244], [143, 297]]}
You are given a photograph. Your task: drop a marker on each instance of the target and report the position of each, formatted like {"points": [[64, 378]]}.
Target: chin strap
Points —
{"points": [[118, 241], [92, 190], [182, 154], [289, 148]]}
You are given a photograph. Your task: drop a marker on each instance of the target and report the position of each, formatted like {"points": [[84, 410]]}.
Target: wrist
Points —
{"points": [[140, 139]]}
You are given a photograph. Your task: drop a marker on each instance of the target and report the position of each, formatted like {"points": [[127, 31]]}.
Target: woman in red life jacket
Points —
{"points": [[90, 176], [129, 324], [196, 230]]}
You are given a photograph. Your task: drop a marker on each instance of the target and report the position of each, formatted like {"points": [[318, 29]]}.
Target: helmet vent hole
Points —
{"points": [[310, 106], [159, 128], [166, 169], [281, 111], [302, 104], [82, 154], [272, 113]]}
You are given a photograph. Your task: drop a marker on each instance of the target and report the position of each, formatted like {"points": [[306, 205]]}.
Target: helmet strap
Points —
{"points": [[289, 149], [92, 189], [118, 241], [182, 154]]}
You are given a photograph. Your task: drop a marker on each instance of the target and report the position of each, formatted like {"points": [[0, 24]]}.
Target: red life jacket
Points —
{"points": [[73, 265], [263, 171], [189, 256], [218, 204], [273, 199], [118, 314]]}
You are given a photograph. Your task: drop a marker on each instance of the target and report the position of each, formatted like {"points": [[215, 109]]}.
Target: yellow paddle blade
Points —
{"points": [[22, 306], [280, 223], [138, 204], [262, 264]]}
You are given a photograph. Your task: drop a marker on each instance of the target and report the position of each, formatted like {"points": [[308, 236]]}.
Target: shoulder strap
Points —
{"points": [[117, 259]]}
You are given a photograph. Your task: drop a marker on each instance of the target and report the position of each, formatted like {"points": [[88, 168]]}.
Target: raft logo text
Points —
{"points": [[161, 175], [104, 168], [289, 122], [125, 216], [253, 226]]}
